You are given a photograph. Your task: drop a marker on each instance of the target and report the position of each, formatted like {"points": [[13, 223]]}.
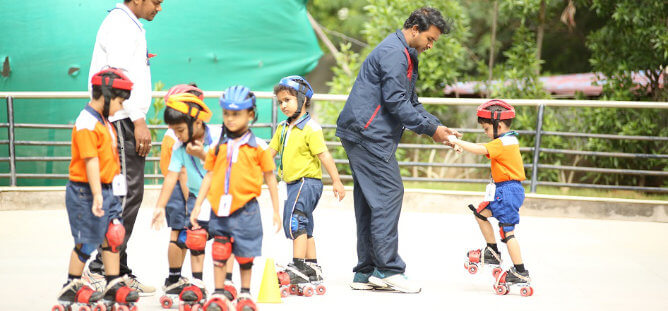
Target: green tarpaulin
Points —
{"points": [[48, 45]]}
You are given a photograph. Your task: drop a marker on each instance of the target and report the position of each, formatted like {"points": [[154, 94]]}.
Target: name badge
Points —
{"points": [[224, 206], [119, 186], [490, 191], [282, 191], [204, 211]]}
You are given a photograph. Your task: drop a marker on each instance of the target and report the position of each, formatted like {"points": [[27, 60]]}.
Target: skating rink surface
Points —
{"points": [[575, 264]]}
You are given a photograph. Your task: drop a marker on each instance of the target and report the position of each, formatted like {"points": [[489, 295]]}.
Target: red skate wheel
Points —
{"points": [[100, 307], [166, 302], [58, 308], [122, 308], [526, 291], [294, 289], [320, 289], [501, 289], [285, 292], [496, 272], [472, 269], [84, 308], [308, 291]]}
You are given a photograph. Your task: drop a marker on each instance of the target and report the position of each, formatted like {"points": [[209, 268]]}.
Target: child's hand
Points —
{"points": [[339, 191], [158, 218], [277, 221], [196, 148], [452, 138], [193, 217], [97, 205]]}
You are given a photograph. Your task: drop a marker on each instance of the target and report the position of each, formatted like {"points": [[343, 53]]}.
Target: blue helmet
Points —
{"points": [[303, 88], [237, 97]]}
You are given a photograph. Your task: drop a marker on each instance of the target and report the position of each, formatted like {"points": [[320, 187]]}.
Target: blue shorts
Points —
{"points": [[244, 226], [176, 211], [303, 197], [508, 199], [86, 227], [191, 205]]}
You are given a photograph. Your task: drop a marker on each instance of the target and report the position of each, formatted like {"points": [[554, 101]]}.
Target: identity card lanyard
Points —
{"points": [[490, 190], [232, 156], [118, 184]]}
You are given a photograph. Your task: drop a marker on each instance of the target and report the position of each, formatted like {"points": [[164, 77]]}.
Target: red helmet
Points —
{"points": [[509, 113], [184, 88], [104, 79]]}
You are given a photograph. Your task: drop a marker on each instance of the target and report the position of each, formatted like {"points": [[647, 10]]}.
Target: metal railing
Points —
{"points": [[534, 166]]}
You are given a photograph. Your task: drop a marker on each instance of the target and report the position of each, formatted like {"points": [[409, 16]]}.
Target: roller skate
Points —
{"points": [[477, 258], [172, 292], [512, 278], [245, 303], [118, 297], [76, 295], [316, 278], [193, 297], [218, 302], [294, 282]]}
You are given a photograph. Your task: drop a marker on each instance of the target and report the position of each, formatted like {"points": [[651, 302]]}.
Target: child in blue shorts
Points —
{"points": [[93, 207], [301, 145], [235, 169], [504, 196]]}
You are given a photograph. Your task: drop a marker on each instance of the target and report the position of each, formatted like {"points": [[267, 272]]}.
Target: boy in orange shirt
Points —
{"points": [[504, 197], [235, 170], [93, 207]]}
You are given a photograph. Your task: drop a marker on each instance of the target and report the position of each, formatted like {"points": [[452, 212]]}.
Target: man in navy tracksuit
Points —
{"points": [[382, 103]]}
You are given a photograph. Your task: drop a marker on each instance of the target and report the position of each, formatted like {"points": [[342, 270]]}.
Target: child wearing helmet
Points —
{"points": [[186, 116], [235, 169], [504, 196], [302, 151], [93, 207]]}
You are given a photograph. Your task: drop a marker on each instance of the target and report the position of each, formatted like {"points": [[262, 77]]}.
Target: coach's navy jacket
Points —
{"points": [[383, 100]]}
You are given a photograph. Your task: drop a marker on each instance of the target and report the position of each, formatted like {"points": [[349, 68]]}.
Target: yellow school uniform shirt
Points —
{"points": [[299, 146]]}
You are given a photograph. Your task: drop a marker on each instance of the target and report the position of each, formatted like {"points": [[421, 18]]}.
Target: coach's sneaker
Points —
{"points": [[361, 282], [143, 289], [398, 282], [96, 280]]}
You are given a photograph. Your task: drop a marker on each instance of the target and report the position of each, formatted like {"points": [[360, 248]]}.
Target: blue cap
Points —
{"points": [[291, 82], [237, 98]]}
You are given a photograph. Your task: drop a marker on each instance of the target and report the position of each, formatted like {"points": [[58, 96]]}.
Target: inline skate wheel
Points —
{"points": [[320, 289], [501, 289], [294, 289], [308, 291], [166, 302], [496, 272], [285, 292], [526, 291], [472, 269]]}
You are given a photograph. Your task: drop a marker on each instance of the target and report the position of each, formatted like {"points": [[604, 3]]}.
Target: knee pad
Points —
{"points": [[180, 239], [84, 250], [298, 224], [505, 238], [221, 249], [476, 211], [115, 236], [196, 240], [245, 263]]}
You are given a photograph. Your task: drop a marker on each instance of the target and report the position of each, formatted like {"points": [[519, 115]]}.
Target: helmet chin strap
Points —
{"points": [[301, 99], [106, 92]]}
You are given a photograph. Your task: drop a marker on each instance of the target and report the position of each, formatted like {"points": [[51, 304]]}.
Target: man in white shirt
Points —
{"points": [[121, 43]]}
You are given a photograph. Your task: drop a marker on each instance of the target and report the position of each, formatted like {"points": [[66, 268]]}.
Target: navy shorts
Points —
{"points": [[191, 205], [244, 226], [508, 199], [303, 197], [86, 227], [176, 212]]}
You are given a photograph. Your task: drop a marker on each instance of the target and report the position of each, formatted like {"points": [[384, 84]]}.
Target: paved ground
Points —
{"points": [[576, 264]]}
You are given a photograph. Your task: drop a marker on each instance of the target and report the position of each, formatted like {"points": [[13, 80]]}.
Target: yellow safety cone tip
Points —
{"points": [[269, 291]]}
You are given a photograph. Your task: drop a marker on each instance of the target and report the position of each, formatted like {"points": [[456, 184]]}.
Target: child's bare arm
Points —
{"points": [[203, 191], [273, 152], [165, 192], [328, 162], [270, 180], [468, 146], [93, 174]]}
